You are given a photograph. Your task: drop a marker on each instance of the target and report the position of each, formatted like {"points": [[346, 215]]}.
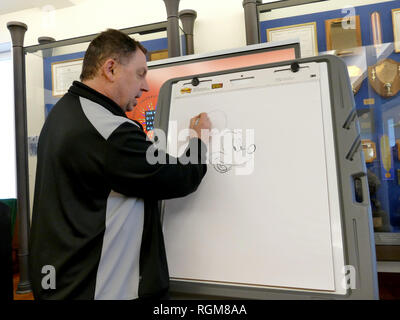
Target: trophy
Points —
{"points": [[384, 77], [369, 150], [386, 155]]}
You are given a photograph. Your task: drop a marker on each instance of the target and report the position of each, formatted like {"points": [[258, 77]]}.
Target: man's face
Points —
{"points": [[130, 80]]}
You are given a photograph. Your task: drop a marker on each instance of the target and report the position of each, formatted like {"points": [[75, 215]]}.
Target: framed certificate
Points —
{"points": [[63, 74], [306, 33], [396, 28], [342, 36]]}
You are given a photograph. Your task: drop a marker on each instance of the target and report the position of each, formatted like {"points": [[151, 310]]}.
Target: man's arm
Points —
{"points": [[129, 172]]}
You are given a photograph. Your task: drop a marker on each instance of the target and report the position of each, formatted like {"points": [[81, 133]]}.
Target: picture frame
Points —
{"points": [[396, 29], [341, 39], [158, 55], [63, 73], [306, 33]]}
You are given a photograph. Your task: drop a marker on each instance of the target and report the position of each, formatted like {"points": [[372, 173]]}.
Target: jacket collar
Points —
{"points": [[82, 90]]}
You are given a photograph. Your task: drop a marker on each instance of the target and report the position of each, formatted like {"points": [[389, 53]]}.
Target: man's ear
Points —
{"points": [[108, 69]]}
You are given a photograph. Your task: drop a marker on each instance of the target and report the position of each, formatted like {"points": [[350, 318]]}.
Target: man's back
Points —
{"points": [[69, 204]]}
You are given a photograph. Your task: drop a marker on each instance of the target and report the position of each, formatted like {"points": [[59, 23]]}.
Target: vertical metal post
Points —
{"points": [[174, 49], [251, 21], [46, 52], [188, 17], [17, 30]]}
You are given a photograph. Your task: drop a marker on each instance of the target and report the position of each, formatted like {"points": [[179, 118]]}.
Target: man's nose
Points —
{"points": [[145, 86]]}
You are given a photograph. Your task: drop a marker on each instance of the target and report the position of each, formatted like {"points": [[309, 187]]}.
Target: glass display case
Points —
{"points": [[374, 72], [367, 38]]}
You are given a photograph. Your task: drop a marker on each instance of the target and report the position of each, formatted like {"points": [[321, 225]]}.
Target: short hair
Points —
{"points": [[108, 44]]}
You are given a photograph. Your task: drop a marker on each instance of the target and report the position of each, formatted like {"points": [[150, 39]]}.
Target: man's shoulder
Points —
{"points": [[105, 122], [65, 103], [127, 130]]}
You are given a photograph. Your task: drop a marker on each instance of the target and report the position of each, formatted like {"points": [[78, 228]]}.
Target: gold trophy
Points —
{"points": [[384, 77], [386, 155], [369, 150]]}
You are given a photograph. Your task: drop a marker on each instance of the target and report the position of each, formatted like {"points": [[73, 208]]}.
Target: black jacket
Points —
{"points": [[96, 218]]}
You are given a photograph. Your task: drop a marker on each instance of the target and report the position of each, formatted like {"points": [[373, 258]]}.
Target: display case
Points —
{"points": [[378, 107], [366, 38]]}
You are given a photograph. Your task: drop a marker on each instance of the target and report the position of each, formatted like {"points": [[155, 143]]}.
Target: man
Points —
{"points": [[96, 231]]}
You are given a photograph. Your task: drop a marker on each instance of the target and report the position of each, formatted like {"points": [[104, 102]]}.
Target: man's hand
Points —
{"points": [[200, 127]]}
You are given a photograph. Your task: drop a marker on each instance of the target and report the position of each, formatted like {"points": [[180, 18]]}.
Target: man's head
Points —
{"points": [[115, 65]]}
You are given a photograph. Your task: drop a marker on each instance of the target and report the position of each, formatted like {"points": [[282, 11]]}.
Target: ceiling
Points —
{"points": [[8, 6]]}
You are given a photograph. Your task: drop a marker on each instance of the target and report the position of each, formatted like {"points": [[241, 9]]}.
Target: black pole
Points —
{"points": [[173, 28], [188, 17], [251, 21], [46, 52], [17, 30]]}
